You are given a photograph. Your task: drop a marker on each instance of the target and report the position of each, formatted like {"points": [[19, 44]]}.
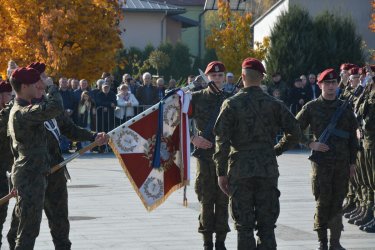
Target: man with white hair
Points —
{"points": [[147, 94]]}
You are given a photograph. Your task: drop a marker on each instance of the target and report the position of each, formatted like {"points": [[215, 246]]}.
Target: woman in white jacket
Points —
{"points": [[126, 102]]}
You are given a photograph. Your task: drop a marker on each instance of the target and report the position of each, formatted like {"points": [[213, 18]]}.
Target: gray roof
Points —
{"points": [[185, 22], [234, 5], [152, 6]]}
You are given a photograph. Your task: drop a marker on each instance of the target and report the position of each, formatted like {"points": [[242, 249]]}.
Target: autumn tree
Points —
{"points": [[232, 40], [75, 38]]}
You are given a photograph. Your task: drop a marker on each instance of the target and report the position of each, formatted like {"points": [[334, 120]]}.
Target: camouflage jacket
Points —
{"points": [[367, 112], [6, 155], [348, 92], [205, 108], [245, 134], [29, 136], [317, 114], [69, 129]]}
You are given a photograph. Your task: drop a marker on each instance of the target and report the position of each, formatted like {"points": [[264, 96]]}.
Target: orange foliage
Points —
{"points": [[232, 41], [372, 23], [75, 38]]}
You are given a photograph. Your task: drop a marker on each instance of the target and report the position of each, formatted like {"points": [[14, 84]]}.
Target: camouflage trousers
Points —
{"points": [[56, 210], [213, 216], [31, 188], [254, 205], [369, 155], [329, 186], [4, 190]]}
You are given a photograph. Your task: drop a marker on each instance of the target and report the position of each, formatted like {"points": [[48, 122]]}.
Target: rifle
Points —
{"points": [[316, 156]]}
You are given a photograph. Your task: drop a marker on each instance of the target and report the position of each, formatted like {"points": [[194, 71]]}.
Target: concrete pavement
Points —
{"points": [[106, 213]]}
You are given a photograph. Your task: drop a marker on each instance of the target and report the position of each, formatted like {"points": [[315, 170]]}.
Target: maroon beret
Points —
{"points": [[328, 74], [41, 67], [26, 75], [362, 71], [354, 71], [5, 87], [215, 66], [255, 64], [347, 66]]}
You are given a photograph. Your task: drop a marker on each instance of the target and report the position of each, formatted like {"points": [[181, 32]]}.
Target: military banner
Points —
{"points": [[154, 149]]}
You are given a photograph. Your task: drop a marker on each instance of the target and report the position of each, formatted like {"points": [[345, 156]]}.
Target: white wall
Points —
{"points": [[142, 29], [264, 26]]}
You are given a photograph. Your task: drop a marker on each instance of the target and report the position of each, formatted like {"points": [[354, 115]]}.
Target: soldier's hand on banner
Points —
{"points": [[352, 169], [318, 146], [102, 138], [223, 184], [201, 142]]}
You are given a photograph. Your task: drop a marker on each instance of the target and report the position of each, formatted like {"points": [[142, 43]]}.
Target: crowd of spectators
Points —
{"points": [[108, 104]]}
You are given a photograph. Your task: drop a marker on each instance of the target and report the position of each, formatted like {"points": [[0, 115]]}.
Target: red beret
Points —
{"points": [[328, 74], [41, 67], [5, 87], [347, 66], [215, 66], [255, 64], [354, 71], [362, 71], [26, 75]]}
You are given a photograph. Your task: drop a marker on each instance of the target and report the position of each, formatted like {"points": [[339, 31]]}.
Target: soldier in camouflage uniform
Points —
{"points": [[205, 106], [6, 156], [245, 157], [56, 197], [367, 113], [338, 157], [29, 146], [357, 183]]}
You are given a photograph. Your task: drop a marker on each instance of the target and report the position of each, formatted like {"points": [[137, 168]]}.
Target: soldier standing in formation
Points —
{"points": [[338, 157], [366, 114], [245, 133], [205, 105], [6, 156]]}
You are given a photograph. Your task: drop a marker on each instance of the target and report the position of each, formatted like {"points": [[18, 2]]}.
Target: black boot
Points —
{"points": [[323, 240], [368, 216], [208, 245], [370, 227], [350, 213], [334, 242], [246, 240], [367, 224], [348, 206], [220, 245], [357, 216]]}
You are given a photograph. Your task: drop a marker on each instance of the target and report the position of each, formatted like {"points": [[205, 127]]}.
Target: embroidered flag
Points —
{"points": [[155, 176]]}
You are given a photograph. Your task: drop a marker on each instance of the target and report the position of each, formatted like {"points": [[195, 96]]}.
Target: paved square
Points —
{"points": [[106, 213]]}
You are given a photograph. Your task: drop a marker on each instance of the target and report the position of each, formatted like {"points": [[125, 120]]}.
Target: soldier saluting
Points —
{"points": [[29, 146], [245, 132], [331, 173]]}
